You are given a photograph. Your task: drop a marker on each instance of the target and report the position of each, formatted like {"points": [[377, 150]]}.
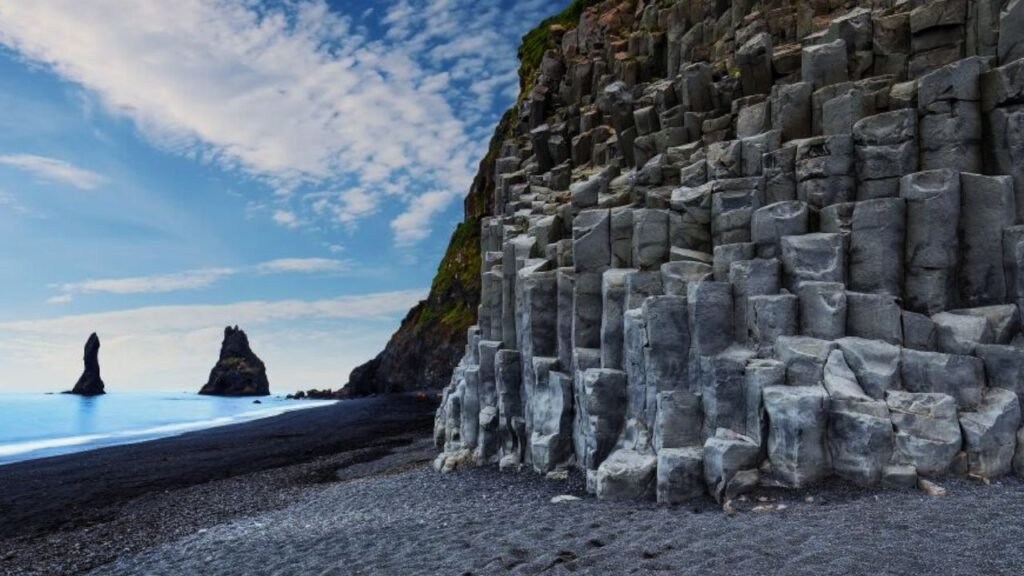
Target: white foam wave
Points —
{"points": [[19, 451]]}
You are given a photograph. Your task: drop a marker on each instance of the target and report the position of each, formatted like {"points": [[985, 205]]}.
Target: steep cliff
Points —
{"points": [[755, 244], [432, 337]]}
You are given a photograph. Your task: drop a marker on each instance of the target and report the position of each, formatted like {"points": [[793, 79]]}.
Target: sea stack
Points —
{"points": [[90, 383], [239, 372]]}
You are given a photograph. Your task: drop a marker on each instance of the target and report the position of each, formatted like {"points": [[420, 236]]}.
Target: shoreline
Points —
{"points": [[37, 449], [73, 512]]}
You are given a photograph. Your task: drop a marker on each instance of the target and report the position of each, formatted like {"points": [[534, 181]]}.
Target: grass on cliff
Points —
{"points": [[459, 273], [536, 41]]}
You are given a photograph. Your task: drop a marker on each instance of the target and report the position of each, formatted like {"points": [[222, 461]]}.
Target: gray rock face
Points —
{"points": [[720, 250]]}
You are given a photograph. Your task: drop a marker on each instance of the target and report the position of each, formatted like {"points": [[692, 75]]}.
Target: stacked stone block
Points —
{"points": [[730, 249]]}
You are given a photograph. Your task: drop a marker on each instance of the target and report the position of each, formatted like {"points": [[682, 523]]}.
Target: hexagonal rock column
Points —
{"points": [[797, 421], [804, 359], [860, 437], [812, 257], [822, 310], [613, 294], [825, 170], [886, 150], [931, 247], [1002, 89], [769, 317], [824, 64], [772, 222], [591, 257], [950, 129], [987, 207], [877, 236], [601, 414], [551, 439], [749, 278], [723, 390], [509, 381], [668, 344]]}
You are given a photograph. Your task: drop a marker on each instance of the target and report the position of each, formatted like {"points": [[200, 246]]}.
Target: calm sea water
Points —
{"points": [[39, 425]]}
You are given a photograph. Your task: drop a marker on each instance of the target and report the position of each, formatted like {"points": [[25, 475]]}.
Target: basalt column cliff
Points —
{"points": [[755, 243]]}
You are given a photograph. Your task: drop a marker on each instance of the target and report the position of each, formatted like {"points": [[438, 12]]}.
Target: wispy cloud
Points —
{"points": [[295, 93], [193, 279], [304, 265], [173, 347], [157, 283], [54, 170], [9, 201]]}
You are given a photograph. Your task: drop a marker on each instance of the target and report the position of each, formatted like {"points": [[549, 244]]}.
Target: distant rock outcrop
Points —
{"points": [[239, 372], [90, 383]]}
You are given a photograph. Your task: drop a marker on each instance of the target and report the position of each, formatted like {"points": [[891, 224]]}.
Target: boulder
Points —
{"points": [[804, 359], [1004, 367], [797, 421], [238, 372], [875, 364], [680, 475], [961, 377], [627, 475], [90, 383], [990, 433], [726, 454], [926, 428]]}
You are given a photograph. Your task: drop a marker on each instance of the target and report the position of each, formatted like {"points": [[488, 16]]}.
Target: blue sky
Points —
{"points": [[292, 166]]}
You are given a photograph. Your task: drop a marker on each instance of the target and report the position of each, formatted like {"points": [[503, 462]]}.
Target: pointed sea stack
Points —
{"points": [[90, 383], [239, 372]]}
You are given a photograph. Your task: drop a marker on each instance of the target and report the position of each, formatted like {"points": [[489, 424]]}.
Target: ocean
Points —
{"points": [[40, 425]]}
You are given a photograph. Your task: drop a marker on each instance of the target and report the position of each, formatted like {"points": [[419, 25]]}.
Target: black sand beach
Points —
{"points": [[348, 489], [66, 514]]}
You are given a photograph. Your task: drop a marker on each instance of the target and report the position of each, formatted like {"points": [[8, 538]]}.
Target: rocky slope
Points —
{"points": [[431, 339], [755, 243]]}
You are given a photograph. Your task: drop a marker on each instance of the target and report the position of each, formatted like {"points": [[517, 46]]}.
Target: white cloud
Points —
{"points": [[193, 279], [157, 283], [293, 93], [306, 265], [156, 347], [54, 170], [413, 225], [285, 218]]}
